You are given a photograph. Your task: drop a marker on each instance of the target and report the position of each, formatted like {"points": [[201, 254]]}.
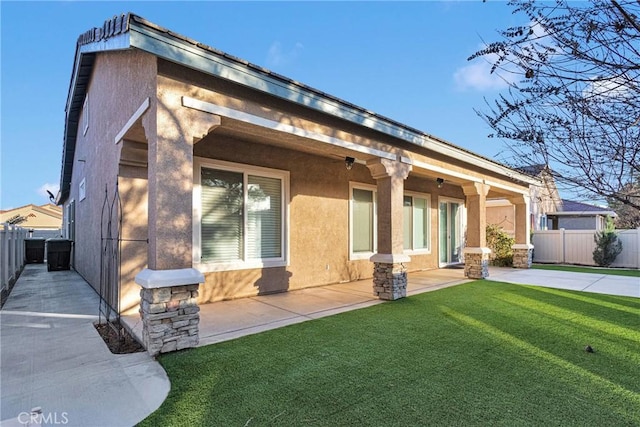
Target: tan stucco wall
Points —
{"points": [[119, 84], [319, 181], [502, 216], [319, 191], [319, 221]]}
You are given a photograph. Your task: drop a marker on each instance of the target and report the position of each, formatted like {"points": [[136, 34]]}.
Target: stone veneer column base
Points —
{"points": [[476, 262], [389, 281], [389, 276], [522, 255], [169, 309]]}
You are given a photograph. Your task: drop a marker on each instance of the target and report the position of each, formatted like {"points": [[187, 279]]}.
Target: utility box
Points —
{"points": [[58, 254], [34, 250]]}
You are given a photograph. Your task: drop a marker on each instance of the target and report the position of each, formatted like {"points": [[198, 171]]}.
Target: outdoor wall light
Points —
{"points": [[348, 162], [440, 182]]}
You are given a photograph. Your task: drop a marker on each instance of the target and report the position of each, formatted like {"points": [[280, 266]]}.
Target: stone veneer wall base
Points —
{"points": [[522, 257], [476, 264], [170, 318], [389, 281], [169, 309]]}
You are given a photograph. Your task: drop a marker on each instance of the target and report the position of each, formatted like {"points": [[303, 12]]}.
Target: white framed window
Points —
{"points": [[416, 223], [85, 115], [240, 216], [82, 189], [363, 223]]}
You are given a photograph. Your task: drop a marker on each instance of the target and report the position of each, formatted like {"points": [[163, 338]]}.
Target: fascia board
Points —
{"points": [[119, 42], [176, 50], [583, 213]]}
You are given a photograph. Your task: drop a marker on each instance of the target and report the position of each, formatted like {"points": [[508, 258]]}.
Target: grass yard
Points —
{"points": [[578, 269], [481, 353]]}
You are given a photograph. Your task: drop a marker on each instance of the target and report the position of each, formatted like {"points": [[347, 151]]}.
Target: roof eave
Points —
{"points": [[83, 67], [173, 47]]}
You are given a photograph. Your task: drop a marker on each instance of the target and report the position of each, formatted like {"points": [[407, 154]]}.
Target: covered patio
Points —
{"points": [[230, 319]]}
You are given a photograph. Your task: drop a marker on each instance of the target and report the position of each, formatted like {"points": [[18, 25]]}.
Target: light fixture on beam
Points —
{"points": [[440, 182], [348, 162]]}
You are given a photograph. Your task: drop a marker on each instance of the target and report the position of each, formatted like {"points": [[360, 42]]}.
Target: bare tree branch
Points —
{"points": [[575, 104]]}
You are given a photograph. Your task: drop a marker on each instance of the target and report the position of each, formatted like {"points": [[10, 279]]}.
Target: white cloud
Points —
{"points": [[614, 88], [477, 76], [42, 191], [277, 57]]}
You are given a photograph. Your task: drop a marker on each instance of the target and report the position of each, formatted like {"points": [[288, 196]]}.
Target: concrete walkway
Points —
{"points": [[53, 357], [586, 282]]}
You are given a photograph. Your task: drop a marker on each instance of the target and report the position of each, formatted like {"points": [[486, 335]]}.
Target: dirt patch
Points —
{"points": [[118, 339]]}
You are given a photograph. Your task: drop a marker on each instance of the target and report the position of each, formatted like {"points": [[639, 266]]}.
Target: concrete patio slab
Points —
{"points": [[586, 282], [52, 357], [226, 320]]}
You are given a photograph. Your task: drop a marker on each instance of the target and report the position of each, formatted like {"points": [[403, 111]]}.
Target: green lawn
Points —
{"points": [[577, 269], [481, 353]]}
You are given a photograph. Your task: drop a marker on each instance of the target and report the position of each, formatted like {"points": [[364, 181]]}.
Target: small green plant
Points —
{"points": [[608, 246], [500, 244]]}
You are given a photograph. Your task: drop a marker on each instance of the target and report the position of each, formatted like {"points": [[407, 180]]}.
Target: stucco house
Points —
{"points": [[202, 162], [41, 220], [548, 211], [543, 195]]}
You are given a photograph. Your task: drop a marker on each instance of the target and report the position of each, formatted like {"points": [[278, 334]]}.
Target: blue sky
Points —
{"points": [[404, 60]]}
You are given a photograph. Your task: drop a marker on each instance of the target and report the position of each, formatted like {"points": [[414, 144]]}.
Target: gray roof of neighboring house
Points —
{"points": [[131, 31], [570, 207]]}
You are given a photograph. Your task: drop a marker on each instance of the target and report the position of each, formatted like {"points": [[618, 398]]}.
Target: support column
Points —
{"points": [[389, 272], [476, 253], [171, 181], [522, 249], [169, 309]]}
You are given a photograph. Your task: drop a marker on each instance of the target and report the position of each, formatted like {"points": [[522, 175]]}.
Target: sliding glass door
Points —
{"points": [[451, 232]]}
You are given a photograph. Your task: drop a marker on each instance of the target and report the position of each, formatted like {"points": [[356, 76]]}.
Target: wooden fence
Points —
{"points": [[576, 247], [12, 253]]}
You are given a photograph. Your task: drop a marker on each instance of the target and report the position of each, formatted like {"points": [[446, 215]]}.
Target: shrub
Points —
{"points": [[500, 244], [608, 246]]}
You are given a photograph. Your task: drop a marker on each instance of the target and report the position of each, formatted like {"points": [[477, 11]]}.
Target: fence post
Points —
{"points": [[12, 252], [564, 245], [4, 258], [21, 250], [638, 247]]}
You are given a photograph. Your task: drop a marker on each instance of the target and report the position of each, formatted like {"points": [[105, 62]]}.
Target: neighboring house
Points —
{"points": [[41, 221], [196, 159], [547, 210], [578, 216], [544, 198]]}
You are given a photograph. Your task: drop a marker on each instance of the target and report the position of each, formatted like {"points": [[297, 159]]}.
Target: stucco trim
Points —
{"points": [[132, 120], [522, 246], [153, 279], [390, 258], [208, 107], [476, 251]]}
